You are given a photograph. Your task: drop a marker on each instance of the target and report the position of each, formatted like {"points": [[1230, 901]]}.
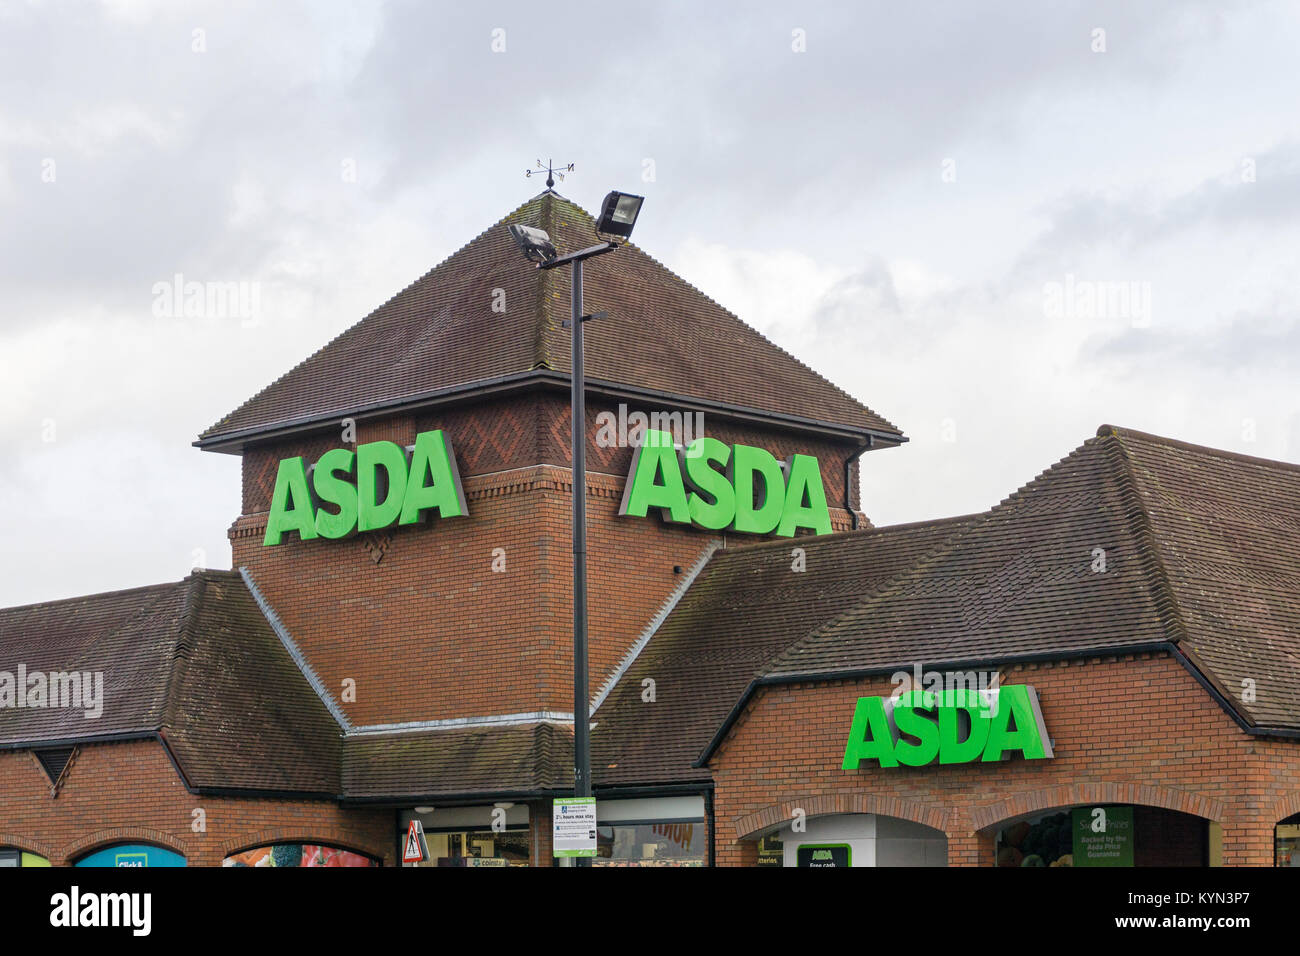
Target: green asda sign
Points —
{"points": [[954, 726], [378, 485], [725, 487]]}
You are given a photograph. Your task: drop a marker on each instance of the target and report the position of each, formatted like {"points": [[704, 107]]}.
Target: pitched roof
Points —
{"points": [[1225, 532], [1017, 581], [441, 335], [1202, 550], [746, 606], [195, 662], [459, 761]]}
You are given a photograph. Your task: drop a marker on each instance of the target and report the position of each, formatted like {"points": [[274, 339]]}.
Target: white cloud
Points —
{"points": [[802, 191]]}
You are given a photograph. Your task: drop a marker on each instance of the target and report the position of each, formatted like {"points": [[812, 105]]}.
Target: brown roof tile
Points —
{"points": [[1015, 582], [458, 761], [1202, 550], [1226, 531], [194, 661], [746, 606], [440, 333]]}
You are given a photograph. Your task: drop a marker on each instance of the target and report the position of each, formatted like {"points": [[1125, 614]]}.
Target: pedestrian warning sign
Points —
{"points": [[415, 850]]}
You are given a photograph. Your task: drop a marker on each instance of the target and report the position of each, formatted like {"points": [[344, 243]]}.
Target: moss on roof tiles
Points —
{"points": [[440, 332]]}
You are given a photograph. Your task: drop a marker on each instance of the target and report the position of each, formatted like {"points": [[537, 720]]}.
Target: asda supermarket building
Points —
{"points": [[1101, 670]]}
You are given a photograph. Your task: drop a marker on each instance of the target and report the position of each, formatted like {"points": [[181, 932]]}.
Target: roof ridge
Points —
{"points": [[1139, 520], [139, 613], [980, 520], [290, 646], [392, 298], [545, 280], [656, 621], [838, 537], [1170, 610], [181, 643], [82, 597], [737, 319], [1121, 432]]}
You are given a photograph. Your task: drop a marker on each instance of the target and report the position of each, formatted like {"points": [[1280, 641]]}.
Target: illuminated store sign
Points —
{"points": [[378, 485], [955, 726], [725, 487]]}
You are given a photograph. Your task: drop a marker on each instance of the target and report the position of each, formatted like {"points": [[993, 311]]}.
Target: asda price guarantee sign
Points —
{"points": [[378, 485], [719, 487], [948, 727]]}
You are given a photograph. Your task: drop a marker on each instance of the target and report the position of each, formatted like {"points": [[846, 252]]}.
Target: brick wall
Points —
{"points": [[430, 630], [1137, 730], [128, 792]]}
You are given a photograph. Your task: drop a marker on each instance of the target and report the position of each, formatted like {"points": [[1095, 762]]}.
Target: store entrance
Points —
{"points": [[860, 839], [1114, 835]]}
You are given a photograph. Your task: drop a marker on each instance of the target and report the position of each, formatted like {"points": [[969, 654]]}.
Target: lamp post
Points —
{"points": [[618, 215]]}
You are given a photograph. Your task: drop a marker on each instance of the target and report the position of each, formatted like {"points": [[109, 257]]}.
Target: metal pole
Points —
{"points": [[581, 724]]}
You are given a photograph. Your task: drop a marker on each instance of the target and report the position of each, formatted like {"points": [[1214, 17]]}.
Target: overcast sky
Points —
{"points": [[928, 203]]}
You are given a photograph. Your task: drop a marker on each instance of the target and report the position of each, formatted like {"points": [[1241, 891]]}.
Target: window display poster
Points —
{"points": [[132, 855], [1103, 836]]}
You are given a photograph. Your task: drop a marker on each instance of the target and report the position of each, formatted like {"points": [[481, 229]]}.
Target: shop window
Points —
{"points": [[488, 847], [132, 855], [1286, 842], [298, 854], [1106, 835], [771, 850], [11, 858], [658, 843]]}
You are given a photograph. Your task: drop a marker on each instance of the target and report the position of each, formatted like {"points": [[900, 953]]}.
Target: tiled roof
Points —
{"points": [[441, 333], [1017, 581], [458, 761], [746, 606], [194, 661], [1202, 549], [1225, 531]]}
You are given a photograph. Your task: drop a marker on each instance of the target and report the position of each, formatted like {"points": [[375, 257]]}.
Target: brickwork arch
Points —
{"points": [[750, 825], [1076, 794], [27, 845], [323, 836], [112, 835], [1288, 806]]}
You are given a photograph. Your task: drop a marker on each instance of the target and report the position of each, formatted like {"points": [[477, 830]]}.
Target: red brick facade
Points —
{"points": [[484, 642], [378, 608], [128, 792], [1133, 730]]}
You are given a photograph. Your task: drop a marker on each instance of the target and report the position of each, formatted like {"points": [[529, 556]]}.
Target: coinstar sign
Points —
{"points": [[922, 727]]}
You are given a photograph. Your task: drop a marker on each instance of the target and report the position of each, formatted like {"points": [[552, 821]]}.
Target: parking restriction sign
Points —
{"points": [[573, 826]]}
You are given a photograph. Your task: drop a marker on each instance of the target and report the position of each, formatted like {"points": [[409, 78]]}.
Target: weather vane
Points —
{"points": [[551, 172]]}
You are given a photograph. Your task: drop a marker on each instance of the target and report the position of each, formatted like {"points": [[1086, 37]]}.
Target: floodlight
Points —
{"points": [[618, 214], [535, 244]]}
